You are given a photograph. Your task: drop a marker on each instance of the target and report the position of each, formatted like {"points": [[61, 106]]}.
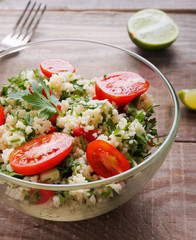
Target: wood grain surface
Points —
{"points": [[166, 208]]}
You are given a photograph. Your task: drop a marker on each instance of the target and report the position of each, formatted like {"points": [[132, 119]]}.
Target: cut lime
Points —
{"points": [[152, 29], [188, 97]]}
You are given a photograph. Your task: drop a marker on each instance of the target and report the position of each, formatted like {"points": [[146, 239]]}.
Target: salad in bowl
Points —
{"points": [[80, 134], [59, 128]]}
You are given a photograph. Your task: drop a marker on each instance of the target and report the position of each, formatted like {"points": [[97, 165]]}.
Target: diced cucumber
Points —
{"points": [[50, 175]]}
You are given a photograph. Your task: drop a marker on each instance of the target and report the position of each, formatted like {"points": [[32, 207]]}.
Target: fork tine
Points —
{"points": [[32, 29], [31, 21], [22, 15], [26, 19], [25, 26]]}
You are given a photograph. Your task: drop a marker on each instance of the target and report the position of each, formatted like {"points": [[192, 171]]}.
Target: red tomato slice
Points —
{"points": [[52, 129], [90, 135], [150, 143], [30, 90], [43, 92], [120, 87], [105, 159], [2, 116], [52, 120], [40, 154], [55, 66], [45, 195], [94, 97]]}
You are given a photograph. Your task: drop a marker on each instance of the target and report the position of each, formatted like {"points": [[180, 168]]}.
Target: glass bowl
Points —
{"points": [[92, 58]]}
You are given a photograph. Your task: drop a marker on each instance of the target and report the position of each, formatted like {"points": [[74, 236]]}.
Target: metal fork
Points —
{"points": [[24, 27]]}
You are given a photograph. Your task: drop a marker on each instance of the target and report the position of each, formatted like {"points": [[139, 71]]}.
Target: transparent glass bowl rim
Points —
{"points": [[122, 176]]}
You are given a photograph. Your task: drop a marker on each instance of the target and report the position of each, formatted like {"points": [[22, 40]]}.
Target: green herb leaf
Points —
{"points": [[36, 73], [130, 159], [35, 197], [131, 109], [18, 95], [83, 143], [150, 110], [116, 131], [78, 89], [110, 111], [36, 88], [135, 101], [91, 192], [105, 76], [107, 193], [67, 195], [61, 199], [110, 126], [64, 95], [28, 120], [99, 104], [104, 116], [40, 102], [141, 117], [15, 140], [4, 90], [12, 174], [140, 138], [47, 112], [75, 168], [66, 165]]}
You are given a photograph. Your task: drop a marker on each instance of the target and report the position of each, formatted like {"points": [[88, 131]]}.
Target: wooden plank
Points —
{"points": [[164, 209], [177, 63], [123, 5]]}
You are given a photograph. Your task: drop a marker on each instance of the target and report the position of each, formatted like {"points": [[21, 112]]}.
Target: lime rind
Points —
{"points": [[152, 29], [188, 98]]}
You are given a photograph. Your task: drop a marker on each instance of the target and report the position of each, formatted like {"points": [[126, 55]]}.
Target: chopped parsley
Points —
{"points": [[107, 193], [110, 126], [47, 105]]}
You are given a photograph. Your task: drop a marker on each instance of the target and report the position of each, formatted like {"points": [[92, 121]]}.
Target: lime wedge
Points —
{"points": [[152, 29], [188, 98]]}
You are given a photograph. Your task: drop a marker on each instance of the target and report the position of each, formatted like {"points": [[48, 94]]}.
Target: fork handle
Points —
{"points": [[3, 47]]}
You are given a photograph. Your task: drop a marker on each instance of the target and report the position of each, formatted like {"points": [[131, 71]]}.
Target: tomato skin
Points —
{"points": [[79, 131], [105, 159], [94, 97], [43, 92], [52, 129], [55, 66], [45, 195], [52, 120], [120, 87], [2, 116], [150, 143], [40, 154], [30, 90]]}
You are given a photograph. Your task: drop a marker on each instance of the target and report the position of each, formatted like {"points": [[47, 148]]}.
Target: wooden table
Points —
{"points": [[166, 208]]}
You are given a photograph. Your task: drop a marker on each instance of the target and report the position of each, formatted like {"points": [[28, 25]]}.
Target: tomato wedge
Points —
{"points": [[40, 154], [105, 159], [91, 135], [2, 116], [45, 195], [55, 66], [120, 87]]}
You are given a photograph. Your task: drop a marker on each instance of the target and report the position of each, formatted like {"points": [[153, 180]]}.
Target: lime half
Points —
{"points": [[188, 97], [152, 29]]}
